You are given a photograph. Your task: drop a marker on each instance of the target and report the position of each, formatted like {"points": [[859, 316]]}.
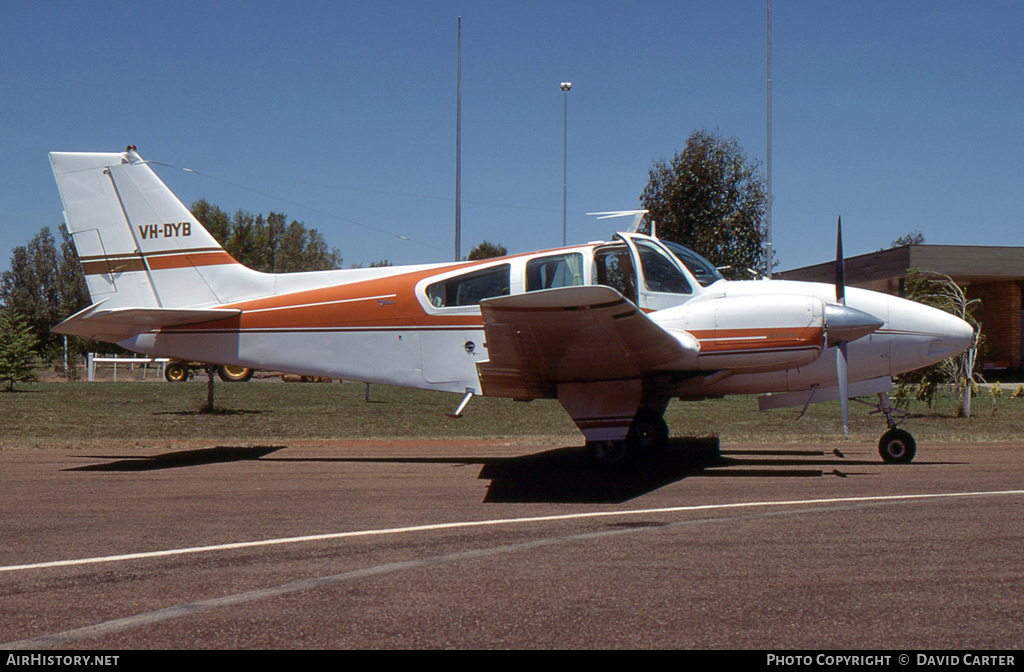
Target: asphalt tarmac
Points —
{"points": [[484, 545]]}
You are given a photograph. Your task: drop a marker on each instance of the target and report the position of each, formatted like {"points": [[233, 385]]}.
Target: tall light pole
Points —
{"points": [[458, 147], [768, 250], [566, 88]]}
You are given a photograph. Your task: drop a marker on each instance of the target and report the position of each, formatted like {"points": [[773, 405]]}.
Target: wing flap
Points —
{"points": [[116, 324], [573, 334]]}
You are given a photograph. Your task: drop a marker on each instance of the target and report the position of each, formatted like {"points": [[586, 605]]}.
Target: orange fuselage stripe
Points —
{"points": [[387, 302], [126, 263]]}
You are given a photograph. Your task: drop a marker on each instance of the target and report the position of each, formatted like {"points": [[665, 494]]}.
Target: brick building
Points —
{"points": [[993, 274]]}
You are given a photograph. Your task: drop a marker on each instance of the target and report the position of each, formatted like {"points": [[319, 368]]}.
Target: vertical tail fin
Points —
{"points": [[138, 244]]}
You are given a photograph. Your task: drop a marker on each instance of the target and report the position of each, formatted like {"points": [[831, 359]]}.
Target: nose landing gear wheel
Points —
{"points": [[897, 446]]}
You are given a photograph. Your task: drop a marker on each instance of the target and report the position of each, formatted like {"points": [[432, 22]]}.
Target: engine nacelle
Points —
{"points": [[795, 337]]}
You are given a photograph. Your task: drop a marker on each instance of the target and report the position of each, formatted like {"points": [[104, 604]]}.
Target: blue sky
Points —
{"points": [[898, 116]]}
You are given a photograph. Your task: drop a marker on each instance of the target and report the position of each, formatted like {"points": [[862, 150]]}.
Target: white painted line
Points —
{"points": [[499, 521], [105, 628]]}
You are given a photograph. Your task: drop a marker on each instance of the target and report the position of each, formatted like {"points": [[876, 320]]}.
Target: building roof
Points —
{"points": [[966, 264]]}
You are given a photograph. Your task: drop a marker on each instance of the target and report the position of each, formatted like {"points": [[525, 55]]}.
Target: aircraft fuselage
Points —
{"points": [[768, 333]]}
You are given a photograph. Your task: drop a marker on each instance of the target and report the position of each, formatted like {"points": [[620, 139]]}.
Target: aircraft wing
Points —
{"points": [[117, 324], [573, 334]]}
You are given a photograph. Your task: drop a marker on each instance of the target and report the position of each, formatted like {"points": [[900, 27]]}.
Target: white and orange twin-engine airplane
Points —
{"points": [[613, 330]]}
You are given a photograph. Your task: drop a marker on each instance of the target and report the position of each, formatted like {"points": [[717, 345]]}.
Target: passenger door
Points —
{"points": [[644, 272]]}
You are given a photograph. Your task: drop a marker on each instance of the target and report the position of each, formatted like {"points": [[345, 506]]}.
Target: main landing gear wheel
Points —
{"points": [[648, 432], [610, 453], [897, 446]]}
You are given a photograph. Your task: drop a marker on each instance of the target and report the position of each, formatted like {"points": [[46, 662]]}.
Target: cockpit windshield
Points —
{"points": [[702, 269], [660, 273]]}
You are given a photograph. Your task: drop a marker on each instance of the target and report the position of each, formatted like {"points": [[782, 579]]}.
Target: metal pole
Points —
{"points": [[566, 88], [768, 248], [458, 150]]}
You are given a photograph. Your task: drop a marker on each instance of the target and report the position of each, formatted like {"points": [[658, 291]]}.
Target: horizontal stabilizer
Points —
{"points": [[543, 338], [818, 394], [116, 324]]}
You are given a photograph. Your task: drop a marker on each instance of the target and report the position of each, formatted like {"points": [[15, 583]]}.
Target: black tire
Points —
{"points": [[176, 372], [611, 453], [648, 432], [897, 447], [234, 374]]}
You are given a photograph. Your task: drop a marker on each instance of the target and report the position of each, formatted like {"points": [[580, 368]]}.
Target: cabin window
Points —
{"points": [[660, 273], [562, 270], [471, 288]]}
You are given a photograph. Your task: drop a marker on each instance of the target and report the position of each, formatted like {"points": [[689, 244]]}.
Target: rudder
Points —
{"points": [[138, 244]]}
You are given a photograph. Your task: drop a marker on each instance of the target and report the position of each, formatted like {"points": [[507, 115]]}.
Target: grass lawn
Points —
{"points": [[41, 415]]}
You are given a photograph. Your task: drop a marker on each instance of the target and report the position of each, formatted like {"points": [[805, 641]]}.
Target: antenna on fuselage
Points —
{"points": [[638, 216]]}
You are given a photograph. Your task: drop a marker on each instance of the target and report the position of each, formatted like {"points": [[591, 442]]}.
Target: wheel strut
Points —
{"points": [[885, 407], [896, 445]]}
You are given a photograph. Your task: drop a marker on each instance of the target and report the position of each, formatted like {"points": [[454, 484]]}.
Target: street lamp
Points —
{"points": [[566, 88]]}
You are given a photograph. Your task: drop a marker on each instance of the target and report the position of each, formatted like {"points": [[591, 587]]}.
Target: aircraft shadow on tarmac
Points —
{"points": [[572, 475], [567, 474], [180, 458]]}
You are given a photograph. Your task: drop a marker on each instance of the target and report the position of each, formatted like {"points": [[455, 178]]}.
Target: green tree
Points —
{"points": [[317, 255], [294, 255], [940, 291], [31, 287], [273, 235], [212, 218], [487, 250], [73, 296], [16, 345], [243, 241], [49, 287], [912, 238], [72, 292], [268, 244], [712, 199]]}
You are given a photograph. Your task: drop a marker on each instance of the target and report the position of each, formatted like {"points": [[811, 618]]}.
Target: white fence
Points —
{"points": [[92, 359]]}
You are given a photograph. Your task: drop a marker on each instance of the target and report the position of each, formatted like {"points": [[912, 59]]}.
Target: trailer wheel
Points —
{"points": [[234, 374], [176, 372]]}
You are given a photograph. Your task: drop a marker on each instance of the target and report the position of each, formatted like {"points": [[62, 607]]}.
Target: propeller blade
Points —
{"points": [[844, 387], [842, 360], [840, 265]]}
